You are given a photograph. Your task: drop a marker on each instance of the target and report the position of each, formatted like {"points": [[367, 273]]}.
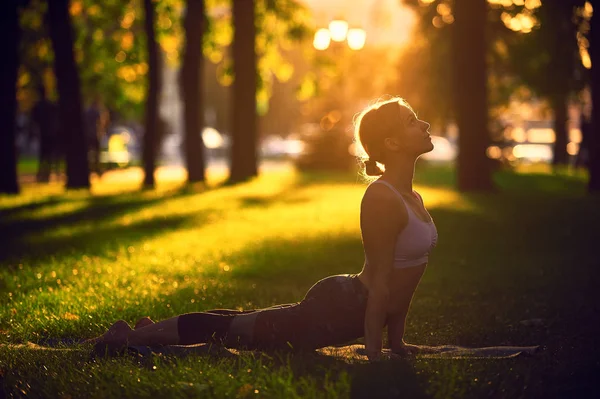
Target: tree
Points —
{"points": [[9, 29], [191, 73], [546, 60], [70, 107], [243, 110], [594, 182], [470, 90], [151, 120], [423, 76]]}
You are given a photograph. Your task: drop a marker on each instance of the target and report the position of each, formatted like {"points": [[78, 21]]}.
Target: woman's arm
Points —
{"points": [[381, 220], [396, 321]]}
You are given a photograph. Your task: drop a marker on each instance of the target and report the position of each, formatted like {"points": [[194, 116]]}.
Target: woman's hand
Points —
{"points": [[384, 355], [407, 350], [374, 356]]}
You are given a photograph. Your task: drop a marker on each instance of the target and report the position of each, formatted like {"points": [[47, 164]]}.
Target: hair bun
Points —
{"points": [[372, 169]]}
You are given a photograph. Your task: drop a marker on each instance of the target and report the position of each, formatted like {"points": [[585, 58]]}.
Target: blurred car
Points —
{"points": [[120, 148], [443, 150], [279, 147]]}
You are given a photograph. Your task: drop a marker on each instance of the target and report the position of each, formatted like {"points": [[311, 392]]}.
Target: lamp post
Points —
{"points": [[334, 108]]}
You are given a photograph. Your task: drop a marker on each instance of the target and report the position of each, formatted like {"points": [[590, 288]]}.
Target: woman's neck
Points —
{"points": [[400, 174]]}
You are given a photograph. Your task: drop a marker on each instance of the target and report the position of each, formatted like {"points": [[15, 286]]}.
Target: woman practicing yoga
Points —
{"points": [[398, 235]]}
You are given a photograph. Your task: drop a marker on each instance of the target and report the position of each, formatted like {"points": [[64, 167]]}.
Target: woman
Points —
{"points": [[398, 234]]}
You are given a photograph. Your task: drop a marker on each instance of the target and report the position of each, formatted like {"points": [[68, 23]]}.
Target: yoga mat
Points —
{"points": [[357, 352], [349, 352]]}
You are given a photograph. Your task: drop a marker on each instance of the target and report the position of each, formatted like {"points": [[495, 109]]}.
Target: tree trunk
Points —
{"points": [[69, 92], [594, 149], [191, 80], [151, 144], [243, 111], [561, 117], [470, 89], [9, 28]]}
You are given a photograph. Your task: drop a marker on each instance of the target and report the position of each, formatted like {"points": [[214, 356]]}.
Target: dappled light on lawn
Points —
{"points": [[447, 199], [120, 253], [76, 262]]}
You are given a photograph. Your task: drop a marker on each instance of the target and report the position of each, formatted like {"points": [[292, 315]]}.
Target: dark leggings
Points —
{"points": [[332, 312], [210, 325]]}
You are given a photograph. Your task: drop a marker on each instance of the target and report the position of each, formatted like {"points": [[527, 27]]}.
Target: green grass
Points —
{"points": [[73, 263]]}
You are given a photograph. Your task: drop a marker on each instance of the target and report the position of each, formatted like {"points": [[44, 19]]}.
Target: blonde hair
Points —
{"points": [[371, 126]]}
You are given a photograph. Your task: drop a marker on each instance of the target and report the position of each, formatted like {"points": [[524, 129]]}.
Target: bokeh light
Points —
{"points": [[494, 152], [212, 138], [572, 148], [356, 38], [541, 135], [338, 29], [322, 39]]}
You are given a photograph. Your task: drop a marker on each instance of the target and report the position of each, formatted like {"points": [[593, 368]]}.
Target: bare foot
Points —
{"points": [[116, 334], [143, 322]]}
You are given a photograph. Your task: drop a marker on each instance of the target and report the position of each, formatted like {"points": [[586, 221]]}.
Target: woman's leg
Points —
{"points": [[310, 323], [238, 312], [331, 313], [185, 329], [145, 321]]}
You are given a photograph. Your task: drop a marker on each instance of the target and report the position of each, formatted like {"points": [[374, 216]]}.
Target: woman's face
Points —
{"points": [[414, 137]]}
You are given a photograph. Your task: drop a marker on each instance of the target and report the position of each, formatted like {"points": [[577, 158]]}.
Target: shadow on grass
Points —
{"points": [[279, 198], [8, 213], [526, 256], [97, 209], [97, 241]]}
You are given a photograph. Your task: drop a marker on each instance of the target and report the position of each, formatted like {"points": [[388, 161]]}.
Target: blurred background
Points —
{"points": [[93, 88]]}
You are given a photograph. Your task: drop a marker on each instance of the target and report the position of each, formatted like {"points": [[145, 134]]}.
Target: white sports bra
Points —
{"points": [[416, 240]]}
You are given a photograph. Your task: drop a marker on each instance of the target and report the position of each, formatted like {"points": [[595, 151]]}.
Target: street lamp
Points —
{"points": [[322, 39], [339, 31], [333, 36], [356, 38]]}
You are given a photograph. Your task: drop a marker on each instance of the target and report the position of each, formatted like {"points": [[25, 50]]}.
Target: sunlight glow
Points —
{"points": [[503, 3], [588, 10], [586, 60], [338, 30], [533, 4]]}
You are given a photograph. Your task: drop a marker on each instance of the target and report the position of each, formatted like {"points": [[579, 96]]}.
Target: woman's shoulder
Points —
{"points": [[379, 193], [378, 198]]}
